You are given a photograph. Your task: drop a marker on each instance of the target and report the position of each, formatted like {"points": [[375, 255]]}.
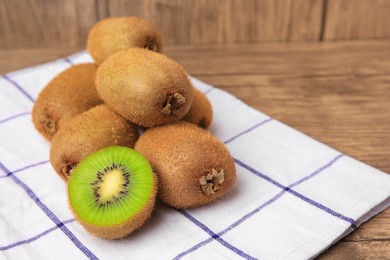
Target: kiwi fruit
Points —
{"points": [[201, 112], [112, 192], [194, 168], [67, 95], [117, 33], [145, 87], [86, 133]]}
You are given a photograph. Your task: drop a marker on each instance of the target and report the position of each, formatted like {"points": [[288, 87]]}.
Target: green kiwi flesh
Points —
{"points": [[112, 192], [193, 167]]}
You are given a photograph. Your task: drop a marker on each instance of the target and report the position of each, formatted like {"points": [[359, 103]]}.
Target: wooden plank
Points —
{"points": [[102, 9], [336, 92], [227, 21], [282, 20], [180, 22], [357, 19], [45, 23], [186, 23], [306, 20], [127, 8], [363, 250], [14, 59], [348, 58], [87, 16]]}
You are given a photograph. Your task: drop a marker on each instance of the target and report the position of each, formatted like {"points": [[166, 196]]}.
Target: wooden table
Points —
{"points": [[337, 93]]}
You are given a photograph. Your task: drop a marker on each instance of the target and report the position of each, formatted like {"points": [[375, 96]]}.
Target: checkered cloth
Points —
{"points": [[294, 196]]}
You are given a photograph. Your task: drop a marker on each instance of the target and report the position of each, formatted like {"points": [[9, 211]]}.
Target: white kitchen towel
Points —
{"points": [[294, 196]]}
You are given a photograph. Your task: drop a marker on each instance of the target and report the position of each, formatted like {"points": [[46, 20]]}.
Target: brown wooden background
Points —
{"points": [[65, 23]]}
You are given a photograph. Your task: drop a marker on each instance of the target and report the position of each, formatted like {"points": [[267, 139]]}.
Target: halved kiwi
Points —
{"points": [[113, 34], [194, 168], [112, 192]]}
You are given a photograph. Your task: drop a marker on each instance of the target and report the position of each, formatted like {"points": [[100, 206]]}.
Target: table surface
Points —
{"points": [[337, 93]]}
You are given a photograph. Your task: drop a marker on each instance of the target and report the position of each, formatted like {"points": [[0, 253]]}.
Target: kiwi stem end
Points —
{"points": [[50, 126], [172, 103], [151, 44], [210, 183], [67, 169]]}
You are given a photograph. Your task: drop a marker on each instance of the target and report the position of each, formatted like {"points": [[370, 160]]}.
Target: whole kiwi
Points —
{"points": [[145, 87], [201, 112], [194, 168], [117, 33], [86, 133], [70, 93]]}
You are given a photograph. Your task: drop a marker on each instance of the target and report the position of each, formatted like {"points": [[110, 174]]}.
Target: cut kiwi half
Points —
{"points": [[112, 192]]}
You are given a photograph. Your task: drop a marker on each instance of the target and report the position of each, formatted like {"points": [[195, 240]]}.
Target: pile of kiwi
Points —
{"points": [[93, 114]]}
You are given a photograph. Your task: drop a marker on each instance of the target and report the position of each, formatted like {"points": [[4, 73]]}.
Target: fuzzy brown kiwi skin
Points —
{"points": [[86, 133], [67, 95], [145, 87], [182, 154], [126, 228], [113, 34], [201, 112]]}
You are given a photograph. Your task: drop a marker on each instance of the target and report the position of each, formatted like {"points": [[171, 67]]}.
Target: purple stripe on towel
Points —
{"points": [[208, 91], [24, 168], [267, 203], [248, 130], [263, 176], [14, 116], [49, 213], [195, 247], [18, 87], [297, 194], [27, 241], [317, 171], [213, 236], [232, 226], [69, 61], [324, 208]]}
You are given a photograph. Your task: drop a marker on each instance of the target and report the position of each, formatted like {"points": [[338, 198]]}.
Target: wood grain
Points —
{"points": [[306, 20], [363, 250], [14, 59], [357, 19], [228, 21], [126, 8], [45, 23], [57, 23], [335, 92]]}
